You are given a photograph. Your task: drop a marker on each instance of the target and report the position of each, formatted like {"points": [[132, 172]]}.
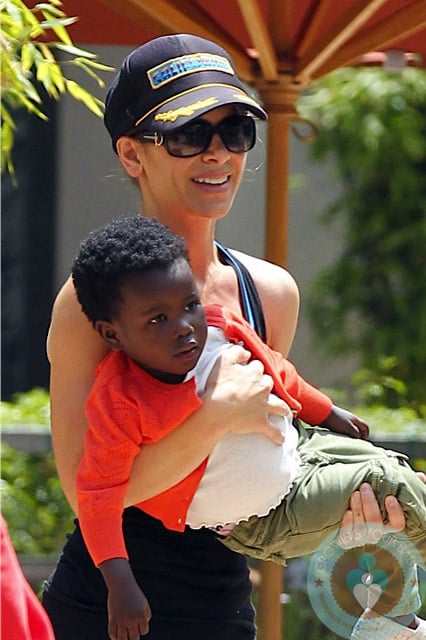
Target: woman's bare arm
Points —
{"points": [[74, 350], [237, 399]]}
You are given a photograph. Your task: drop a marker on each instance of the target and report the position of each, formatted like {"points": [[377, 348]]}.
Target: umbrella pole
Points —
{"points": [[269, 610], [276, 236], [279, 99]]}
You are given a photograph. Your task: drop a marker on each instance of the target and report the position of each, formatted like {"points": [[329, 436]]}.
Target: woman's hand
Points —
{"points": [[363, 522], [237, 397], [240, 395]]}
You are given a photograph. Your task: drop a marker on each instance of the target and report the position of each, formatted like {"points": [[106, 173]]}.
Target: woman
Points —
{"points": [[177, 116]]}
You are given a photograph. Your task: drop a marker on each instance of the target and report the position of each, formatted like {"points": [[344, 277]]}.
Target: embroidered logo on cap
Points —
{"points": [[188, 110], [182, 66]]}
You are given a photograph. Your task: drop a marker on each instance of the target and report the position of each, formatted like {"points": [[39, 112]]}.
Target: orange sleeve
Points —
{"points": [[112, 442], [308, 402], [315, 405]]}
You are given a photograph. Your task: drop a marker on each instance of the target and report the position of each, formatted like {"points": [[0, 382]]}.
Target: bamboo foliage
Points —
{"points": [[36, 52]]}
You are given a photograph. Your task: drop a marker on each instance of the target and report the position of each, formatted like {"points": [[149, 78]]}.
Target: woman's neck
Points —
{"points": [[202, 253], [217, 282], [199, 237]]}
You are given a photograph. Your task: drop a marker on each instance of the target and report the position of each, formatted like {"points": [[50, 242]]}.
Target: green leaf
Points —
{"points": [[30, 106], [50, 8], [22, 54], [80, 63], [15, 12], [42, 71], [94, 64], [74, 51], [62, 34], [77, 92], [56, 23], [57, 77], [27, 55]]}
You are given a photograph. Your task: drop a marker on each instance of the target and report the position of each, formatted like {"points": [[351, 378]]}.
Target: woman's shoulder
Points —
{"points": [[279, 295], [272, 281], [70, 332]]}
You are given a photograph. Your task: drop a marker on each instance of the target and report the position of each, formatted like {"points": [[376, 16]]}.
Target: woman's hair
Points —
{"points": [[125, 245]]}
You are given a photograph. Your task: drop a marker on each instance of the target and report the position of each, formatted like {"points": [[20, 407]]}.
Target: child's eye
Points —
{"points": [[192, 305], [157, 319]]}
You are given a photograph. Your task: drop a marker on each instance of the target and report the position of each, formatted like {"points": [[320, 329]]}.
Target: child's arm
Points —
{"points": [[343, 421], [316, 406], [128, 609]]}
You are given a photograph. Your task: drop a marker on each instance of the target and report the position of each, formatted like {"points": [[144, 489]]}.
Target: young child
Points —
{"points": [[135, 285]]}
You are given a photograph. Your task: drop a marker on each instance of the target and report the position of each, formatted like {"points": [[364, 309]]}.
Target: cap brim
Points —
{"points": [[191, 104]]}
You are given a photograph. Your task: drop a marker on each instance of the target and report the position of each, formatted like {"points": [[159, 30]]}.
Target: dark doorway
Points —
{"points": [[28, 233]]}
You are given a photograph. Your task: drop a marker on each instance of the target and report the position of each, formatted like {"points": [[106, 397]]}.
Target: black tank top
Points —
{"points": [[251, 305]]}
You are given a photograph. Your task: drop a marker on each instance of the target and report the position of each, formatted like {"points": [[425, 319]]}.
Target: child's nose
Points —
{"points": [[184, 327]]}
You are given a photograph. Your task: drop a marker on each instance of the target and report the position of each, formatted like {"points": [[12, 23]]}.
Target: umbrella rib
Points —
{"points": [[258, 32], [397, 26], [280, 26], [180, 21], [342, 31], [314, 21]]}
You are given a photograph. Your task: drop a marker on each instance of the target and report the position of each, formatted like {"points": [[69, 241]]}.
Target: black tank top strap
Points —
{"points": [[249, 296]]}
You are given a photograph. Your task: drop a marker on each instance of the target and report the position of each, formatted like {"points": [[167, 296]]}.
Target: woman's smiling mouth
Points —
{"points": [[212, 181]]}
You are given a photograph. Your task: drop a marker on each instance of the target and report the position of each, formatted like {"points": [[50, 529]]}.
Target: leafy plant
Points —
{"points": [[372, 300], [30, 407], [29, 57], [33, 504]]}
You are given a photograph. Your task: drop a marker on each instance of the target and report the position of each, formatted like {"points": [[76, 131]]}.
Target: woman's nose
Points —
{"points": [[216, 150]]}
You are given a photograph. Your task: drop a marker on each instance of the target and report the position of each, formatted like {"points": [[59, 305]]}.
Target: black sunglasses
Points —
{"points": [[237, 132]]}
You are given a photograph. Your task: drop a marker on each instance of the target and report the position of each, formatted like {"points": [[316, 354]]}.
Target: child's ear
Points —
{"points": [[108, 333]]}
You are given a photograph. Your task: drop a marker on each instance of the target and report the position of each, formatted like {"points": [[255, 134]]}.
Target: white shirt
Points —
{"points": [[246, 474]]}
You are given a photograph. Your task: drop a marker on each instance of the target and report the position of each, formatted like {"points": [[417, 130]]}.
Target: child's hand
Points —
{"points": [[128, 612], [343, 421]]}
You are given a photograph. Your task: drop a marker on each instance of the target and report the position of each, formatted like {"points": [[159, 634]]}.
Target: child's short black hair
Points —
{"points": [[125, 245]]}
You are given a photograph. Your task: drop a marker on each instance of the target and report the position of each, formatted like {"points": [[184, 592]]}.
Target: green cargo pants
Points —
{"points": [[333, 466]]}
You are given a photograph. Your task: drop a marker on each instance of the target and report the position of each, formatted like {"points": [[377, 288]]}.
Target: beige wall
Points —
{"points": [[93, 189]]}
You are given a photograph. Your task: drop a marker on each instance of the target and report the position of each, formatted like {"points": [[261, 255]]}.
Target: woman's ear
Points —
{"points": [[128, 152], [108, 333]]}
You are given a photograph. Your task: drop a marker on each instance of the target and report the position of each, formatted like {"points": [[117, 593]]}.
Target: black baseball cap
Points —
{"points": [[167, 82]]}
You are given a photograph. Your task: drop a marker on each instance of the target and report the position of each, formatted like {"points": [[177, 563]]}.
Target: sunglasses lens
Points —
{"points": [[190, 140], [238, 134]]}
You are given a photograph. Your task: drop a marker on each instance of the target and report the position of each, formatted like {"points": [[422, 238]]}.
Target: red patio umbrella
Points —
{"points": [[279, 47]]}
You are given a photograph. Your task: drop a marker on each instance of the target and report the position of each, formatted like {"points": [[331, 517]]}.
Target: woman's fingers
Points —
{"points": [[370, 510], [363, 523], [236, 354], [278, 407], [396, 518]]}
